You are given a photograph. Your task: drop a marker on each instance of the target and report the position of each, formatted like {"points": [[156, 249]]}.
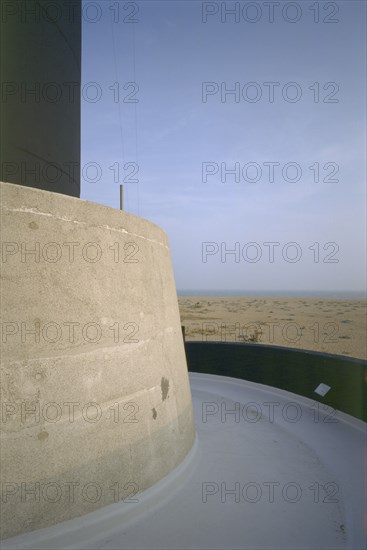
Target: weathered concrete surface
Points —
{"points": [[96, 403]]}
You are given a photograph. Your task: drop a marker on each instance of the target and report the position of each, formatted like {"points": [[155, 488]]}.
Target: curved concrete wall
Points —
{"points": [[40, 55], [96, 403]]}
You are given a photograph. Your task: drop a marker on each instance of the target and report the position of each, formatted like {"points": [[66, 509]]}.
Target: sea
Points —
{"points": [[322, 294]]}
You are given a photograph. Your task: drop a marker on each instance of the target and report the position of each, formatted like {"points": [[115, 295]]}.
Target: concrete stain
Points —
{"points": [[154, 414], [164, 388], [42, 436], [33, 225]]}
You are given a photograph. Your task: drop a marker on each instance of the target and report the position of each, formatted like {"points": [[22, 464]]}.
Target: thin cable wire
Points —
{"points": [[119, 108], [136, 123]]}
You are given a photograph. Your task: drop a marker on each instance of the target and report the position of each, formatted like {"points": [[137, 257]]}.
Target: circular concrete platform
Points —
{"points": [[269, 470]]}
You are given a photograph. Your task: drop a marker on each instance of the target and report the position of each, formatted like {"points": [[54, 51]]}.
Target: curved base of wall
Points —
{"points": [[255, 478], [96, 402]]}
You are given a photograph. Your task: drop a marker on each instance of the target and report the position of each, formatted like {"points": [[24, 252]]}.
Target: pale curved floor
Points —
{"points": [[275, 459]]}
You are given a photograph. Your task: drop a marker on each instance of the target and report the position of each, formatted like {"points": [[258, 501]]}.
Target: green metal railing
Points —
{"points": [[297, 371]]}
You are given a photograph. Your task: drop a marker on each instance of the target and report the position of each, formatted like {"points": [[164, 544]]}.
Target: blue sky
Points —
{"points": [[181, 135]]}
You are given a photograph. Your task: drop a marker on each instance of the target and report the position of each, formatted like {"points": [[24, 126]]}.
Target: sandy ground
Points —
{"points": [[331, 326]]}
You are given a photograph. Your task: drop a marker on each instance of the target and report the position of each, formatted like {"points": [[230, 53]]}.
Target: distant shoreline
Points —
{"points": [[320, 294]]}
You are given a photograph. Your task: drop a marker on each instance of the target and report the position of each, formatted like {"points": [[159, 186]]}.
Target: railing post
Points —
{"points": [[121, 196]]}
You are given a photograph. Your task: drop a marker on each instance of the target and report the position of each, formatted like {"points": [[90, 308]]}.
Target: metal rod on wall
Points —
{"points": [[121, 196]]}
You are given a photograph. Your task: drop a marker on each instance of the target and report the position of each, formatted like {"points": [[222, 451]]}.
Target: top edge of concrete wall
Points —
{"points": [[18, 198]]}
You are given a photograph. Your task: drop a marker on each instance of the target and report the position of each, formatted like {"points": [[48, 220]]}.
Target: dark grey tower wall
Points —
{"points": [[40, 94]]}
